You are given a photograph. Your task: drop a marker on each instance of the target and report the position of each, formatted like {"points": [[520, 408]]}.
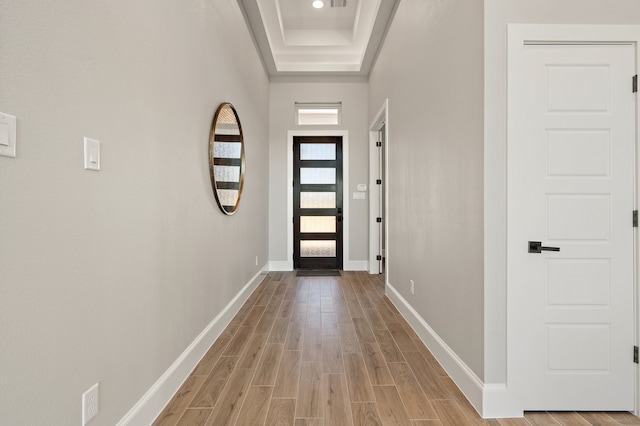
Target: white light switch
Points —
{"points": [[7, 135], [362, 187], [91, 154]]}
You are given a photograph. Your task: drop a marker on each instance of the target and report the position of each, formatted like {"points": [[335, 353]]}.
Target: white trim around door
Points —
{"points": [[347, 265], [587, 35], [380, 121]]}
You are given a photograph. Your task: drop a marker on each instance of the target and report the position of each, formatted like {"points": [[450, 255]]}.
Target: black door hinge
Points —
{"points": [[378, 144], [635, 354], [379, 181], [378, 219], [378, 257], [635, 218], [634, 83]]}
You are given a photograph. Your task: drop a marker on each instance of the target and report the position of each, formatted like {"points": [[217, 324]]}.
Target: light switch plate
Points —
{"points": [[359, 195], [91, 154], [7, 135]]}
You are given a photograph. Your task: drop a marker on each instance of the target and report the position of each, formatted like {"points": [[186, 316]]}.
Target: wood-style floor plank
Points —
{"points": [[570, 419], [429, 381], [513, 422], [357, 378], [173, 411], [319, 351], [337, 410], [238, 342], [312, 345], [252, 352], [376, 365], [255, 407], [363, 330], [330, 324], [281, 412], [349, 338], [309, 401], [365, 414], [625, 418], [228, 406], [388, 346], [194, 417], [286, 385], [450, 413], [267, 368], [540, 419], [279, 331], [598, 419], [392, 412], [211, 389], [210, 359], [332, 355], [416, 403]]}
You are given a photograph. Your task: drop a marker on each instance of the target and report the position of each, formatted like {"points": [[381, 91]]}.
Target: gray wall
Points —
{"points": [[109, 276], [497, 14], [431, 70], [353, 96]]}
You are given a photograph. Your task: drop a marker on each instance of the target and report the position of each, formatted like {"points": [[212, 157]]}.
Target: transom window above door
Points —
{"points": [[318, 114]]}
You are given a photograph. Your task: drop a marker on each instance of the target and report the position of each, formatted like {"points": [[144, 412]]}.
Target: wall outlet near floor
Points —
{"points": [[412, 287], [90, 404]]}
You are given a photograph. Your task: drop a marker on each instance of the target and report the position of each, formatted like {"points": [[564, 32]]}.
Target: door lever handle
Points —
{"points": [[537, 247]]}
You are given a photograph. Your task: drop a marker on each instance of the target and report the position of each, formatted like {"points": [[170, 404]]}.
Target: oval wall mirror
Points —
{"points": [[226, 158]]}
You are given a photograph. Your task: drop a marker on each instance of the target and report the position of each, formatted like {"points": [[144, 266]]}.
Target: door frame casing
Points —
{"points": [[381, 119], [345, 191], [518, 34]]}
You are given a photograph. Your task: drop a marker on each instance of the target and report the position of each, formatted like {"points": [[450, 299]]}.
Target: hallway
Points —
{"points": [[330, 351]]}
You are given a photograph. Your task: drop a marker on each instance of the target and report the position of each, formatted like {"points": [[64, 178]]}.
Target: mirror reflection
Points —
{"points": [[226, 158]]}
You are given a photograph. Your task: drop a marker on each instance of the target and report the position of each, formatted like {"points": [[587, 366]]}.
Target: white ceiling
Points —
{"points": [[296, 39]]}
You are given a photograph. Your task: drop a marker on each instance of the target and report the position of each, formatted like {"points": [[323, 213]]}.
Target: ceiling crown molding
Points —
{"points": [[294, 39]]}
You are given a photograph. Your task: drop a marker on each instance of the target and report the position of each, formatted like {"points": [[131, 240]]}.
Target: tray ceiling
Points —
{"points": [[294, 38]]}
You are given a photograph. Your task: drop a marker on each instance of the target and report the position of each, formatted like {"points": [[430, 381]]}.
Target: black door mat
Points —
{"points": [[318, 273]]}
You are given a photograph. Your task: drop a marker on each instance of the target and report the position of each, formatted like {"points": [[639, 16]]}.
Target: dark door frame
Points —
{"points": [[300, 262], [347, 265]]}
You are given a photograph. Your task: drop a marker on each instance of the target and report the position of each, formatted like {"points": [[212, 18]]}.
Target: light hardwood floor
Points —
{"points": [[312, 351]]}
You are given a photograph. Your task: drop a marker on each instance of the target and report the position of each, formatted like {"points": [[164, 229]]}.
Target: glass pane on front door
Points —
{"points": [[317, 175], [317, 151], [317, 200], [317, 248], [317, 224]]}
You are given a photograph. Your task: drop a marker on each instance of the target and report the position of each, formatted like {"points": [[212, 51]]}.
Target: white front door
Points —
{"points": [[571, 171]]}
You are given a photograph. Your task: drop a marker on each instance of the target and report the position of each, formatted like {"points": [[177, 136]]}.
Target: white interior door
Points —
{"points": [[571, 171]]}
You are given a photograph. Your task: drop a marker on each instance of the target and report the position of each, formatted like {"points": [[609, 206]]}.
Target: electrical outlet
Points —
{"points": [[90, 404], [412, 287], [256, 260]]}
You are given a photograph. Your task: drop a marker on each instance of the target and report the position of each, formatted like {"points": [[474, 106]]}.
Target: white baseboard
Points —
{"points": [[350, 265], [145, 411], [356, 265], [499, 402], [280, 265], [491, 400], [462, 375]]}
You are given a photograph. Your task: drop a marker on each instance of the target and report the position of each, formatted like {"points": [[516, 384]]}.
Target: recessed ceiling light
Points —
{"points": [[318, 4]]}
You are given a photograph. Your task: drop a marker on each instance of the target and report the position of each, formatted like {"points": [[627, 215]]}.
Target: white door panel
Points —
{"points": [[571, 170]]}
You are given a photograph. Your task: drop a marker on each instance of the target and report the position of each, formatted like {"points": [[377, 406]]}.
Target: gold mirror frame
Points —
{"points": [[226, 158]]}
